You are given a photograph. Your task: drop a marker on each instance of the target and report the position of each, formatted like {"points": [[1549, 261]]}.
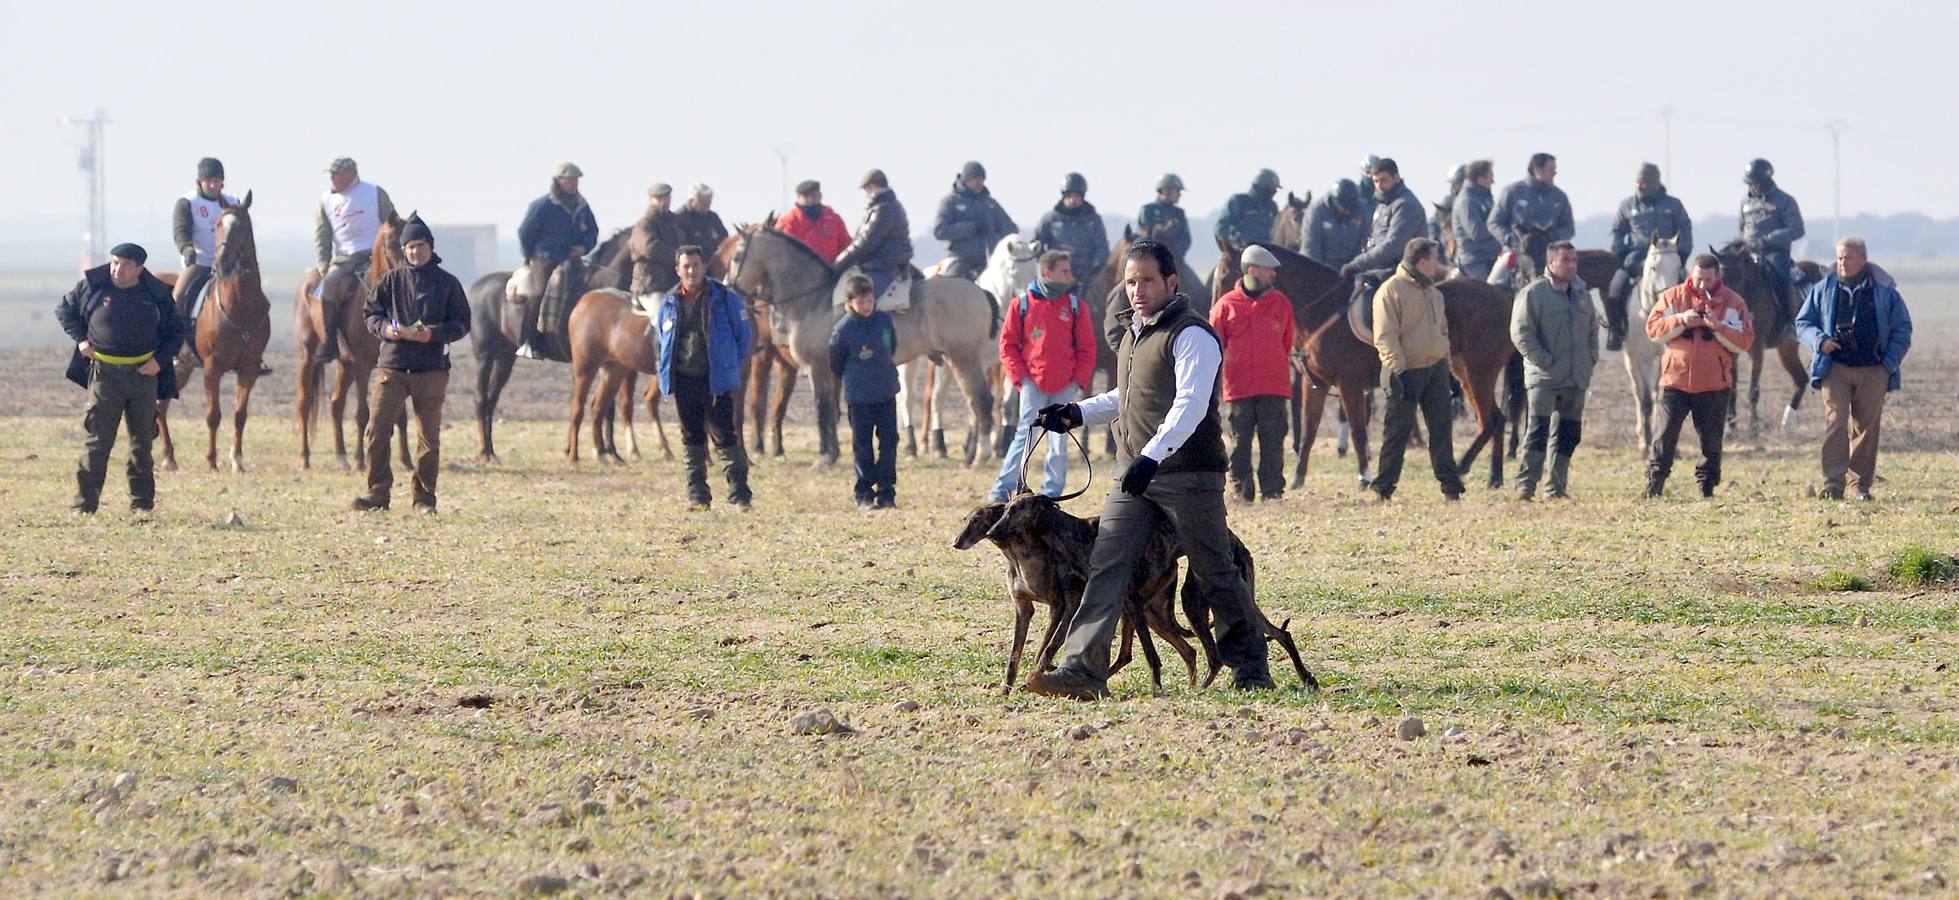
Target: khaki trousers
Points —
{"points": [[1853, 406], [393, 391]]}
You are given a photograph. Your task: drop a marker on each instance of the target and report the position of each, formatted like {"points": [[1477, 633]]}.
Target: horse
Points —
{"points": [[1662, 271], [611, 342], [1773, 324], [359, 351], [497, 328], [229, 335], [949, 317], [1289, 226]]}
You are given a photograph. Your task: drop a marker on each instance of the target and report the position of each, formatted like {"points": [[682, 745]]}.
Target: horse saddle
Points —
{"points": [[1360, 309], [893, 287]]}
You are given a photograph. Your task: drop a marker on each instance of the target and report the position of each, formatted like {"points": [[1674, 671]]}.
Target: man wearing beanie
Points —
{"points": [[126, 332], [814, 224], [654, 239], [1648, 215], [1255, 331], [970, 221], [1411, 333], [417, 311]]}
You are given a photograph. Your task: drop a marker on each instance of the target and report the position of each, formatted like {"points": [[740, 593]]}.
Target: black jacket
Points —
{"points": [[883, 242], [702, 229], [79, 305], [429, 295]]}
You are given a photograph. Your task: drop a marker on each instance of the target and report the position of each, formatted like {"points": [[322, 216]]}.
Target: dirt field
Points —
{"points": [[566, 681]]}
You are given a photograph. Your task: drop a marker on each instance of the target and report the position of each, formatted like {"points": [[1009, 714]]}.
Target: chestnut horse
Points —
{"points": [[613, 342], [229, 335], [1289, 228], [359, 350], [1774, 325]]}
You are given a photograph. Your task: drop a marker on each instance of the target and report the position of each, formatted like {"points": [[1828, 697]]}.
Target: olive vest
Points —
{"points": [[1146, 379]]}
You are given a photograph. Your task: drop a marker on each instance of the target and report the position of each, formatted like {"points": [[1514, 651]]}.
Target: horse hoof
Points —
{"points": [[824, 462], [237, 466], [341, 459], [169, 465]]}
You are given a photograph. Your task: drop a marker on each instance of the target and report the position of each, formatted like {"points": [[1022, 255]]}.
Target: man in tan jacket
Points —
{"points": [[1411, 333]]}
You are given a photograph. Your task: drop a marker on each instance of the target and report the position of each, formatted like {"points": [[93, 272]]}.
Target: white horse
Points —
{"points": [[1662, 271]]}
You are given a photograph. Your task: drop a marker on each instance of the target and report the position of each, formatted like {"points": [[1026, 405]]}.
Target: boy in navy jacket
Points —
{"points": [[861, 349]]}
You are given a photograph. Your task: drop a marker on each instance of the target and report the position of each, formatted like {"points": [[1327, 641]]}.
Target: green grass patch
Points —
{"points": [[1845, 582], [1917, 567]]}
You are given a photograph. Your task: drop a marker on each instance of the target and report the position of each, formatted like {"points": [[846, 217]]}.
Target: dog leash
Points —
{"points": [[1029, 458]]}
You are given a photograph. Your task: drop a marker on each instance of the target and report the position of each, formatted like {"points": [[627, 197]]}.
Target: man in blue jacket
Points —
{"points": [[970, 221], [1398, 219], [1649, 214], [1771, 224], [557, 228], [1858, 332], [1476, 248], [704, 337]]}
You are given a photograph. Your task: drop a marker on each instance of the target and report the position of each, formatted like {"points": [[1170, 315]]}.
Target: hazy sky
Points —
{"points": [[462, 109]]}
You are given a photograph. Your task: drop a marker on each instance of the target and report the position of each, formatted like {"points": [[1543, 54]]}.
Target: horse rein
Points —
{"points": [[1029, 459]]}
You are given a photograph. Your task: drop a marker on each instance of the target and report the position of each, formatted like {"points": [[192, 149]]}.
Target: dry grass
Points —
{"points": [[566, 675]]}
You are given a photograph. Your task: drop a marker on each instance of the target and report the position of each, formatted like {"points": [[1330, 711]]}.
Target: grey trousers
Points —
{"points": [[1193, 502]]}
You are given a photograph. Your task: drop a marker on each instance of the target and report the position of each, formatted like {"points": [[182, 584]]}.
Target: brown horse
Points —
{"points": [[1774, 326], [1289, 228], [359, 350], [228, 336], [609, 338]]}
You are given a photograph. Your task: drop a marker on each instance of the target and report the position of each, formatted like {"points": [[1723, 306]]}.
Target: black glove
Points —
{"points": [[1633, 262], [1060, 418], [1136, 479], [1348, 270], [190, 257]]}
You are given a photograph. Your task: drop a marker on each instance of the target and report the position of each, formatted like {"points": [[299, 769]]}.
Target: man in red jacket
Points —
{"points": [[1254, 326], [1047, 347], [814, 224], [1702, 326]]}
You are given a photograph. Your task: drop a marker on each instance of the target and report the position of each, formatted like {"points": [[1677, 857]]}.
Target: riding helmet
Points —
{"points": [[1758, 171], [1074, 184], [1266, 178], [1170, 182], [209, 167]]}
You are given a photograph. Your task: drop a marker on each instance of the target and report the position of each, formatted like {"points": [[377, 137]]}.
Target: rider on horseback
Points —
{"points": [[700, 225], [1398, 219], [1248, 216], [815, 224], [1648, 215], [882, 248], [655, 238], [194, 227], [558, 229], [1334, 229], [1164, 220], [1438, 227], [970, 221], [1770, 223], [1074, 225], [344, 229], [1534, 205], [1476, 248]]}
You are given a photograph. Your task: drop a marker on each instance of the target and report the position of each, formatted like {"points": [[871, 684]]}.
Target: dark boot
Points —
{"points": [[1528, 472], [329, 323], [695, 456]]}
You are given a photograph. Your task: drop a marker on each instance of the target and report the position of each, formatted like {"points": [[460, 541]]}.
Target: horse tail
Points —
{"points": [[992, 304]]}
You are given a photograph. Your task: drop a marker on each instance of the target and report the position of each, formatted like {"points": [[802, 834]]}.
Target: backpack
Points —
{"points": [[1074, 309]]}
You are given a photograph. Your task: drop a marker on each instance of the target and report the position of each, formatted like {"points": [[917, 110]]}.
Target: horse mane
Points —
{"points": [[611, 247]]}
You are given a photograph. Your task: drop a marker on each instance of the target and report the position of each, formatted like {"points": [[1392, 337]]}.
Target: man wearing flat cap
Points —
{"points": [[126, 332], [882, 247], [417, 311], [558, 229], [1254, 325], [652, 244], [344, 228], [700, 225], [814, 224]]}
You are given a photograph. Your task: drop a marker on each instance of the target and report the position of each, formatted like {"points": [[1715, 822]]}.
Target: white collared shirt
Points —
{"points": [[1197, 358]]}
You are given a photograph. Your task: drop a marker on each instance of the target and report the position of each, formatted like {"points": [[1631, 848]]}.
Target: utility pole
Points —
{"points": [[1835, 127], [91, 159]]}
